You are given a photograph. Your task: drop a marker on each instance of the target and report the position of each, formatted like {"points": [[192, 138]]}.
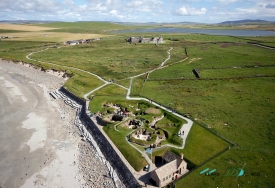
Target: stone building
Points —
{"points": [[173, 167], [154, 40]]}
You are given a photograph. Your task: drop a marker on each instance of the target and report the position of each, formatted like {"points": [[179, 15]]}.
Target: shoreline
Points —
{"points": [[48, 149]]}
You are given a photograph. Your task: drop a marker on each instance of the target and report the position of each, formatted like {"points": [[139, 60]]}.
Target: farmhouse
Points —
{"points": [[154, 40], [72, 42], [6, 37], [173, 167]]}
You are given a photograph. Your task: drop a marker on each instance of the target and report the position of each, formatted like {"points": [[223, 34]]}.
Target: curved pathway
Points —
{"points": [[186, 127]]}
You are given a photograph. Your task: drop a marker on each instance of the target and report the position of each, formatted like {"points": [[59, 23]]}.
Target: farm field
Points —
{"points": [[58, 37], [25, 27], [233, 100], [112, 58], [88, 27], [239, 109]]}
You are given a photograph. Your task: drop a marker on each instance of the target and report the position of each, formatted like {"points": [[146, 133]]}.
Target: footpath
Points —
{"points": [[142, 176]]}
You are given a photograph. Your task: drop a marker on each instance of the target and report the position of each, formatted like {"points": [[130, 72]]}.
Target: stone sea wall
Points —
{"points": [[107, 150]]}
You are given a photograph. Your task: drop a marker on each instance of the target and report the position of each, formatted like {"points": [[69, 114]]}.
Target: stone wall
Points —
{"points": [[107, 150]]}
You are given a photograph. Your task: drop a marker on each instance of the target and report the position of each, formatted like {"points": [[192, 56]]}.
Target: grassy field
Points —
{"points": [[112, 58], [200, 139], [131, 154], [17, 50], [87, 27], [24, 27], [81, 83], [238, 72], [58, 37], [217, 56], [258, 171], [239, 109], [235, 108]]}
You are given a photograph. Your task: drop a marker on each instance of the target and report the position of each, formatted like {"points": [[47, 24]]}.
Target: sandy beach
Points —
{"points": [[39, 142]]}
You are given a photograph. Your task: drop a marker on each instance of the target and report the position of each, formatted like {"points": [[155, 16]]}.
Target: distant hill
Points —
{"points": [[242, 22]]}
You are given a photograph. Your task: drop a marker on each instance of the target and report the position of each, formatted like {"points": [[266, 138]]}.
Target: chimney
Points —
{"points": [[181, 156]]}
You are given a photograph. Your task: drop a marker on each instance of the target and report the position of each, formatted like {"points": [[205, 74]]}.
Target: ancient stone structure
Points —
{"points": [[154, 40], [105, 147]]}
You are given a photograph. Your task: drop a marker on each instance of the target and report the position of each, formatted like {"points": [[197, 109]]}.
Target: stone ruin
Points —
{"points": [[155, 40]]}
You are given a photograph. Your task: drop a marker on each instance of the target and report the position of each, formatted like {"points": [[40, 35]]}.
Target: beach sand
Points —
{"points": [[39, 143]]}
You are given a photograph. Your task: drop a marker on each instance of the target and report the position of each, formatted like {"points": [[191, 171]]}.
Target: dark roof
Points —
{"points": [[72, 41], [170, 156]]}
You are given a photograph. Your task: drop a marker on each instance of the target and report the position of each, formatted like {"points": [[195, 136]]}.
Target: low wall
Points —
{"points": [[106, 148]]}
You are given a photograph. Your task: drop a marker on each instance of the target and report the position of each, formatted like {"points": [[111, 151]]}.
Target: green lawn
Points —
{"points": [[131, 154], [259, 163], [111, 90], [241, 110], [238, 72], [200, 146], [81, 83], [112, 59], [17, 50]]}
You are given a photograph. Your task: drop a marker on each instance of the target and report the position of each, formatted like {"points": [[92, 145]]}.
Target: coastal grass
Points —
{"points": [[111, 90], [253, 71], [271, 44], [197, 148], [211, 38], [124, 82], [97, 102], [131, 154], [137, 85], [81, 83], [18, 50], [258, 170], [218, 59], [230, 55], [239, 109], [112, 59]]}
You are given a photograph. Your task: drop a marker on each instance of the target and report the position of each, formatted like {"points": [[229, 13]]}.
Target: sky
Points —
{"points": [[202, 11]]}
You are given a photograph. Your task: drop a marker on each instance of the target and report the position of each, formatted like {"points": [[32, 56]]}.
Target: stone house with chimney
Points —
{"points": [[173, 167]]}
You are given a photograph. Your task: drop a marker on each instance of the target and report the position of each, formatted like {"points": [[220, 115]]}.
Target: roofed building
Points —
{"points": [[173, 167], [72, 42], [155, 40]]}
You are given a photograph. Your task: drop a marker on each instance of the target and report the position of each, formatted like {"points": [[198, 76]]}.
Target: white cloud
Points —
{"points": [[189, 11], [145, 5], [255, 12], [247, 11], [30, 5], [224, 2], [113, 12]]}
